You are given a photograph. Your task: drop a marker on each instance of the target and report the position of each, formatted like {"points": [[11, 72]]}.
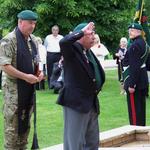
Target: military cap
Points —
{"points": [[27, 15], [80, 26], [135, 26]]}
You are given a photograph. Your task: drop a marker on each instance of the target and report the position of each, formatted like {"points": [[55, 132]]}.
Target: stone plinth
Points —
{"points": [[123, 138]]}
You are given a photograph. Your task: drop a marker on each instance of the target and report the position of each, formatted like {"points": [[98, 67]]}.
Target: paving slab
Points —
{"points": [[60, 147]]}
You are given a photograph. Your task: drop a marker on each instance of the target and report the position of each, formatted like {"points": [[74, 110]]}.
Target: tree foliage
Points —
{"points": [[111, 17], [147, 6]]}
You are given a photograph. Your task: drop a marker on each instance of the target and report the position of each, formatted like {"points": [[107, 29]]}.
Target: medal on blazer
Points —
{"points": [[84, 52]]}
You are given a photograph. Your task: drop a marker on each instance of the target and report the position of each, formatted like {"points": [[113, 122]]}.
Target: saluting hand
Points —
{"points": [[88, 29]]}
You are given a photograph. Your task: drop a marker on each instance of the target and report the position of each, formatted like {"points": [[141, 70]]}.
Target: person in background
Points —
{"points": [[83, 79], [99, 49], [57, 76], [53, 51], [19, 60], [42, 63], [135, 76], [119, 56]]}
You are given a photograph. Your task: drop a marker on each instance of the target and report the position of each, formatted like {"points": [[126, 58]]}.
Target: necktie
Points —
{"points": [[96, 69]]}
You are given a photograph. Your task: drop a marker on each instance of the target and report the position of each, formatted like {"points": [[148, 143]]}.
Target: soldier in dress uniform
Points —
{"points": [[18, 57], [135, 76]]}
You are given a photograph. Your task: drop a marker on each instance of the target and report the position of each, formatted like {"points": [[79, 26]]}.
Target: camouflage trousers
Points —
{"points": [[13, 141]]}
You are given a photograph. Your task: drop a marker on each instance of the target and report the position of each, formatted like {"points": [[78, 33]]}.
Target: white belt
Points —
{"points": [[124, 68], [144, 65]]}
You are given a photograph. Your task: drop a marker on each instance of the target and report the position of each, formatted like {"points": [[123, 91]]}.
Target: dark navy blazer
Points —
{"points": [[80, 90], [137, 70]]}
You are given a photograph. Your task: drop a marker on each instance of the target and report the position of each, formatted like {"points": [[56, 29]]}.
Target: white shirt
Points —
{"points": [[52, 43], [42, 55], [100, 51]]}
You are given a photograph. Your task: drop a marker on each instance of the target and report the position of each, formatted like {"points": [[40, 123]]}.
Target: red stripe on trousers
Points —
{"points": [[133, 108]]}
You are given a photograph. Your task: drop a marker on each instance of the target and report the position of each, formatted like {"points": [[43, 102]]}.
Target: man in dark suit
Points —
{"points": [[136, 80], [83, 79]]}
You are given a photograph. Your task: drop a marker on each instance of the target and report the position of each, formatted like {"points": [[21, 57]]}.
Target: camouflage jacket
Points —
{"points": [[8, 52]]}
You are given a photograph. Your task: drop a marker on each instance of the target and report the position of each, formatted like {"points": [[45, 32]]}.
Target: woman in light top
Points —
{"points": [[119, 56], [42, 63], [99, 49]]}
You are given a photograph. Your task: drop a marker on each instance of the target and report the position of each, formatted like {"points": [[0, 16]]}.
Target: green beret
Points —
{"points": [[135, 26], [80, 27], [27, 15]]}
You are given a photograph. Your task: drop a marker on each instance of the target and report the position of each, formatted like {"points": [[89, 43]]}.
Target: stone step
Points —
{"points": [[60, 147], [128, 137]]}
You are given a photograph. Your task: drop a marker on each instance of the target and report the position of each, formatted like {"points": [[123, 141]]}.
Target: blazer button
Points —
{"points": [[94, 80], [96, 91]]}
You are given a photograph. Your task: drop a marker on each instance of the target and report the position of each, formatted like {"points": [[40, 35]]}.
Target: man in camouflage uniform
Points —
{"points": [[14, 139]]}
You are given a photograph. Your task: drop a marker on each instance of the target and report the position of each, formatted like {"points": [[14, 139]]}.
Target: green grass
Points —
{"points": [[113, 114]]}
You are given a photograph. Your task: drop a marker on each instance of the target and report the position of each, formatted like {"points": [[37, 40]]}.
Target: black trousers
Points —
{"points": [[51, 59], [120, 70], [137, 107], [41, 85]]}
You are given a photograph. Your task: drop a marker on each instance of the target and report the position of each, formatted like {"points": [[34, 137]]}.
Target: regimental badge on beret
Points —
{"points": [[27, 15], [135, 26]]}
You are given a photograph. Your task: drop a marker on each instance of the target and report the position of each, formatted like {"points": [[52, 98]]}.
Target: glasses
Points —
{"points": [[55, 30]]}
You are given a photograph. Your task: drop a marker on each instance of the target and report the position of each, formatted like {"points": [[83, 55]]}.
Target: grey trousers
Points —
{"points": [[81, 131]]}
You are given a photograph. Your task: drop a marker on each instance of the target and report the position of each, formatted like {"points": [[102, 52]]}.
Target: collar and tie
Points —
{"points": [[91, 59]]}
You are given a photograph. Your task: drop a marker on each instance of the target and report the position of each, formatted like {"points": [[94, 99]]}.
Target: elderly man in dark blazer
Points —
{"points": [[83, 79]]}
